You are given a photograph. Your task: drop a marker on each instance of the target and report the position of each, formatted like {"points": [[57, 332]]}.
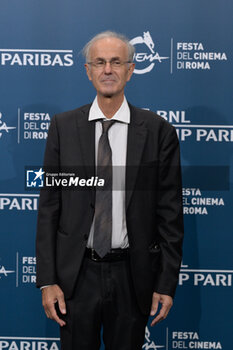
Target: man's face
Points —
{"points": [[108, 80]]}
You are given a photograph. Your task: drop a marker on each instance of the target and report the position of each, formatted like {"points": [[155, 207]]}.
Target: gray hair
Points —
{"points": [[109, 34]]}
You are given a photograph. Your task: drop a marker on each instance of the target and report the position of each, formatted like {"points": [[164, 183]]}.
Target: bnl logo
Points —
{"points": [[34, 179]]}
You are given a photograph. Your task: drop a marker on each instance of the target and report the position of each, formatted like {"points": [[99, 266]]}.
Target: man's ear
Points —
{"points": [[130, 70], [88, 70]]}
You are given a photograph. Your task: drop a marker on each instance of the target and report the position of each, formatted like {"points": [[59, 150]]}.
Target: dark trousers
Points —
{"points": [[104, 297]]}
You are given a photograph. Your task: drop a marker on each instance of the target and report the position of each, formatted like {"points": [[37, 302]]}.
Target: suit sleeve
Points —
{"points": [[169, 212], [48, 215]]}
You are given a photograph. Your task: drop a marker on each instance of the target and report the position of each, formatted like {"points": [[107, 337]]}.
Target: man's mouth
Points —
{"points": [[107, 80]]}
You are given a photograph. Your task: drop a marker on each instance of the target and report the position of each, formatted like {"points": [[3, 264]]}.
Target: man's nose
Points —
{"points": [[107, 68]]}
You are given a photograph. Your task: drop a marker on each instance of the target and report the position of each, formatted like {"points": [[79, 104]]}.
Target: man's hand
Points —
{"points": [[166, 302], [51, 295]]}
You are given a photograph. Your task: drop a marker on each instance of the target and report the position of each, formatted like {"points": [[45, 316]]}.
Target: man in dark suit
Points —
{"points": [[110, 258]]}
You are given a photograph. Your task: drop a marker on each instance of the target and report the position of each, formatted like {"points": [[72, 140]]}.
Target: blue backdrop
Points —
{"points": [[184, 73]]}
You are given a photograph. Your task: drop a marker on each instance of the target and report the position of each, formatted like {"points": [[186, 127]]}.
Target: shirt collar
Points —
{"points": [[122, 115]]}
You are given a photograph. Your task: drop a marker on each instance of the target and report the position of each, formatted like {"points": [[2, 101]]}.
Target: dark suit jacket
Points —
{"points": [[153, 204]]}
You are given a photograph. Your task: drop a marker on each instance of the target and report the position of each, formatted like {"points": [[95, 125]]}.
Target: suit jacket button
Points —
{"points": [[92, 205], [85, 236]]}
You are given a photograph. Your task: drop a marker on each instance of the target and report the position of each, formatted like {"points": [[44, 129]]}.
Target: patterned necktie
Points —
{"points": [[103, 203]]}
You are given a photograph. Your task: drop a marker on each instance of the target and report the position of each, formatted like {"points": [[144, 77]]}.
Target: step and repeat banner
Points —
{"points": [[184, 73]]}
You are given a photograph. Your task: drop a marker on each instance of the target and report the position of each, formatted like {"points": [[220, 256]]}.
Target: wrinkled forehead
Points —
{"points": [[108, 48]]}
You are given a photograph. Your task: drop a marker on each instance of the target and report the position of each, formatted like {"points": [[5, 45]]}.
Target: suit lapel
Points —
{"points": [[86, 136], [137, 134]]}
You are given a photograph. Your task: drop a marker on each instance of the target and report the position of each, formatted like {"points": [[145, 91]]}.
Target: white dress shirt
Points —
{"points": [[117, 135]]}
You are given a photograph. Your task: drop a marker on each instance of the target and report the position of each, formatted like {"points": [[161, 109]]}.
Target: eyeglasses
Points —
{"points": [[114, 63]]}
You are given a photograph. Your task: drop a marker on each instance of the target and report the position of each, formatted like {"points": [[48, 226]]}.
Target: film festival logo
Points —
{"points": [[35, 179], [150, 344], [4, 128], [149, 57], [4, 272]]}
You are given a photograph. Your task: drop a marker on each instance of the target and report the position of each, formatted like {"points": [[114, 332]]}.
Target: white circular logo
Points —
{"points": [[150, 57]]}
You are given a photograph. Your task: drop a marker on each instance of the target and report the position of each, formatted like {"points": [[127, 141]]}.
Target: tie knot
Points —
{"points": [[106, 125]]}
